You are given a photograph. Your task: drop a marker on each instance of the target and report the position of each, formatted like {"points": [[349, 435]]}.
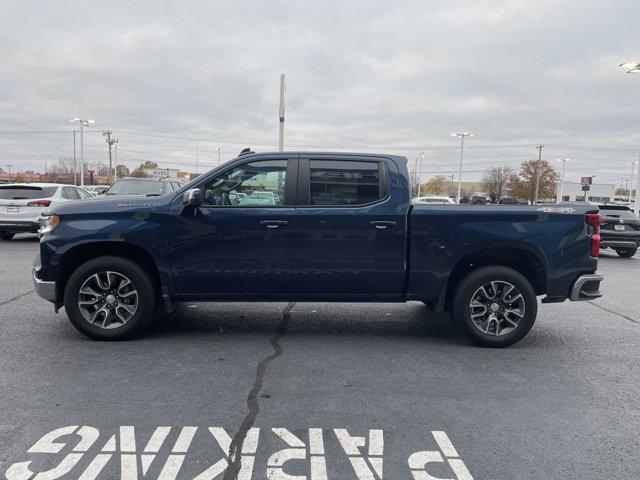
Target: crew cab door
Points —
{"points": [[352, 229], [239, 242]]}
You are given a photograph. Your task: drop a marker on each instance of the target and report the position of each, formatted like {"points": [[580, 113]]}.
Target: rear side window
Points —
{"points": [[26, 193], [343, 182], [69, 193]]}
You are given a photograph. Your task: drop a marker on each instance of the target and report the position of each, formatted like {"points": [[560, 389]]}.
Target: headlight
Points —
{"points": [[48, 223]]}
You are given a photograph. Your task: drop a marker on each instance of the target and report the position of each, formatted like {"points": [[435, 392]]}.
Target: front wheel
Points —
{"points": [[110, 298], [7, 235], [494, 306], [627, 252]]}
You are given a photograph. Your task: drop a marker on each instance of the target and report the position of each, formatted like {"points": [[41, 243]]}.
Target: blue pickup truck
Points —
{"points": [[330, 227]]}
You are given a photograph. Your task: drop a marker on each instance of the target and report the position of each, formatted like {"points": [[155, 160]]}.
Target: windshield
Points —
{"points": [[617, 212], [26, 193], [135, 187]]}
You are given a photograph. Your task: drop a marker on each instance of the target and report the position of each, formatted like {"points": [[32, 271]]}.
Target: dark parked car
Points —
{"points": [[478, 200], [344, 229], [508, 201], [142, 186], [619, 229]]}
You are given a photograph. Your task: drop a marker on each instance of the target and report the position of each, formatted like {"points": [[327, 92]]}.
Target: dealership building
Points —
{"points": [[599, 192]]}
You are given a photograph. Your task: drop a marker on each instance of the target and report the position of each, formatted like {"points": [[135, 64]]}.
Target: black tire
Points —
{"points": [[140, 280], [7, 235], [626, 252], [468, 287]]}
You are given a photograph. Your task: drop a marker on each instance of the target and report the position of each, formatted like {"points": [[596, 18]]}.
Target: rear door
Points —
{"points": [[351, 230]]}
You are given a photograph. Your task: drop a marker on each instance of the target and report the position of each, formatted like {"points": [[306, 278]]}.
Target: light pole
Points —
{"points": [[461, 136], [634, 67], [419, 170], [564, 163], [83, 123], [633, 166]]}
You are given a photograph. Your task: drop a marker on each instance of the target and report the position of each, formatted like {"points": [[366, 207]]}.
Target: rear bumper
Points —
{"points": [[586, 287], [20, 226], [43, 288], [619, 244]]}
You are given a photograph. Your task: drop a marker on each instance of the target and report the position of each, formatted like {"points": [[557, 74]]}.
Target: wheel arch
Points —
{"points": [[79, 254], [529, 264]]}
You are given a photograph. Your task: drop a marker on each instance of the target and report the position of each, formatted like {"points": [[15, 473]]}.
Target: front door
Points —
{"points": [[351, 239], [239, 241]]}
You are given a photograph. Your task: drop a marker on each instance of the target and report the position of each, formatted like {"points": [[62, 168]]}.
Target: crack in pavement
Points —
{"points": [[615, 313], [17, 297], [235, 448]]}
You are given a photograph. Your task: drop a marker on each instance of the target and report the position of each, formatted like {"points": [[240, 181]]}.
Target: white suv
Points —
{"points": [[22, 204]]}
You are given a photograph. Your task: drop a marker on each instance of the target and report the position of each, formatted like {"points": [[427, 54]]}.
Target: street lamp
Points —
{"points": [[83, 123], [418, 170], [461, 136], [633, 166], [560, 193], [634, 67]]}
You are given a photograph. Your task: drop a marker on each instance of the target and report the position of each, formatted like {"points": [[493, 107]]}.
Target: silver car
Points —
{"points": [[21, 204]]}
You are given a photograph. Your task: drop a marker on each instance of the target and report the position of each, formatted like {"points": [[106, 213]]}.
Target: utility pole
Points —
{"points": [[219, 163], [281, 115], [110, 142], [535, 201], [83, 123], [9, 165]]}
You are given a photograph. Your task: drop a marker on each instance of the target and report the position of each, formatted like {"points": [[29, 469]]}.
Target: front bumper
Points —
{"points": [[44, 289], [586, 287]]}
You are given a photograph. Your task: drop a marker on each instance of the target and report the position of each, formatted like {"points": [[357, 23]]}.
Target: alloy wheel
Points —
{"points": [[497, 307], [108, 299]]}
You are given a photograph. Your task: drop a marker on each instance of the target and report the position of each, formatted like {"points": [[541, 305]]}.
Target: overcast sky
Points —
{"points": [[393, 76]]}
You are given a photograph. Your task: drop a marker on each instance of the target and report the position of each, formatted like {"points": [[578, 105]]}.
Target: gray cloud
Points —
{"points": [[372, 73]]}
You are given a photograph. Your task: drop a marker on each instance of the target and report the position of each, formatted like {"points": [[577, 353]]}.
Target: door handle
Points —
{"points": [[382, 224], [273, 223]]}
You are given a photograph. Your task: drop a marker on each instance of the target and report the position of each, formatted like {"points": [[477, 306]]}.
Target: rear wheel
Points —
{"points": [[110, 298], [494, 306], [626, 252], [6, 235]]}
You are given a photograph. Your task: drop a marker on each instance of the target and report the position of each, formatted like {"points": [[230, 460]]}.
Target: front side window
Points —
{"points": [[343, 182], [252, 184]]}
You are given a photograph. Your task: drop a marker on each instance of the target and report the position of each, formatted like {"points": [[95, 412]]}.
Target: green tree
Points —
{"points": [[122, 171], [148, 164]]}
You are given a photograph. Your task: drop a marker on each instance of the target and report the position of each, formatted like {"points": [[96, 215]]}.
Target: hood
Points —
{"points": [[114, 204]]}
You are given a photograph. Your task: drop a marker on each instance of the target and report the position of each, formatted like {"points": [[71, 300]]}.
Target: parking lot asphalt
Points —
{"points": [[337, 391]]}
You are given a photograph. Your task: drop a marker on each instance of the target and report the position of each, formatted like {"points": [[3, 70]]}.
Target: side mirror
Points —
{"points": [[192, 198]]}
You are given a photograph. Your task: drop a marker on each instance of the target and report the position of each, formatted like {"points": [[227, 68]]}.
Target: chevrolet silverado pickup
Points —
{"points": [[327, 227]]}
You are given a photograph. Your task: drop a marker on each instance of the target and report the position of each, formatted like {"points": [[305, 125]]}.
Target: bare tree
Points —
{"points": [[435, 185], [494, 181], [62, 171]]}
